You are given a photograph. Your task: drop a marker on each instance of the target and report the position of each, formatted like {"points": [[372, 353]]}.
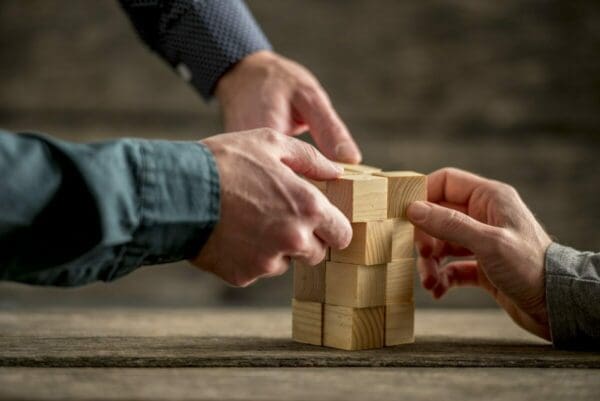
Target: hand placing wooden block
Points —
{"points": [[355, 285], [307, 322], [353, 328], [359, 197], [309, 282], [399, 324], [404, 187], [399, 276]]}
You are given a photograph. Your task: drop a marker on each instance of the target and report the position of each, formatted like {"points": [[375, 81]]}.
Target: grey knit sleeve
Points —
{"points": [[573, 297], [201, 39]]}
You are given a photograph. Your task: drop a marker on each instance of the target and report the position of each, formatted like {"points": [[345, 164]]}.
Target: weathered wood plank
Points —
{"points": [[448, 384], [260, 338]]}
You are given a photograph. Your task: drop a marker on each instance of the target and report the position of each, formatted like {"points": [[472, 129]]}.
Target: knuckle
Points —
{"points": [[272, 136], [312, 207], [294, 240], [500, 240], [453, 221]]}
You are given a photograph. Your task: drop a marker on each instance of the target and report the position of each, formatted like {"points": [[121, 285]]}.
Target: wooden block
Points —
{"points": [[377, 242], [404, 187], [309, 282], [399, 324], [321, 185], [358, 168], [307, 322], [399, 276], [403, 240], [352, 285], [353, 328], [359, 197]]}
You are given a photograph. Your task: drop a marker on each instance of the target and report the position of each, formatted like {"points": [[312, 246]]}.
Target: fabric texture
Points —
{"points": [[201, 39], [573, 297], [72, 213]]}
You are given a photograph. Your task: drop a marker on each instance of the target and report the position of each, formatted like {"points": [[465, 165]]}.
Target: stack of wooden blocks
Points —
{"points": [[361, 297]]}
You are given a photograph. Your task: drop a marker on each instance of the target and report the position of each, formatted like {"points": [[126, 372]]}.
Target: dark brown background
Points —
{"points": [[508, 89]]}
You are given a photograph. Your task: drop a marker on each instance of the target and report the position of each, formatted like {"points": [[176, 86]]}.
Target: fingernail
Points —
{"points": [[418, 211], [347, 152]]}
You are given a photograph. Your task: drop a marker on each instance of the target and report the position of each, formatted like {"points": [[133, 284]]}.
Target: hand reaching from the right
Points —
{"points": [[468, 215]]}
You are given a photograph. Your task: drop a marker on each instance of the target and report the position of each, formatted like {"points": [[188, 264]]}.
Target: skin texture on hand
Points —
{"points": [[267, 90], [478, 232], [268, 213]]}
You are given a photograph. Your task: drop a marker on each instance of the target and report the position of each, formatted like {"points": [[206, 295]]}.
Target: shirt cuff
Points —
{"points": [[179, 204], [209, 38], [571, 296]]}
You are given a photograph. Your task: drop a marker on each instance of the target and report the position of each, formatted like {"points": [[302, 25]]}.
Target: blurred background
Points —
{"points": [[509, 89]]}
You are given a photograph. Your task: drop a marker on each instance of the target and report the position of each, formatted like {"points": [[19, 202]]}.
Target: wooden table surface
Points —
{"points": [[208, 354]]}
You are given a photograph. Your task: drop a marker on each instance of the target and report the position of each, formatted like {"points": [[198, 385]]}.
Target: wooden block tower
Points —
{"points": [[361, 297]]}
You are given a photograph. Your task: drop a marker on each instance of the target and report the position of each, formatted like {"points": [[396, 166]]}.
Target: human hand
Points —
{"points": [[268, 213], [468, 215], [267, 90]]}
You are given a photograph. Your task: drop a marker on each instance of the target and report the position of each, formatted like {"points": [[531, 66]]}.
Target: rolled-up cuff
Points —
{"points": [[179, 204]]}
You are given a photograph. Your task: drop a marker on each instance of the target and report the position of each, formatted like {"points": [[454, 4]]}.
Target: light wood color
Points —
{"points": [[360, 197], [321, 185], [309, 282], [358, 168], [399, 281], [377, 242], [403, 243], [404, 187], [399, 324], [353, 328], [307, 322], [355, 285]]}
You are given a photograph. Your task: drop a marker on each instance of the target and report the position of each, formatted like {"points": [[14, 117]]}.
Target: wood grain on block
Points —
{"points": [[400, 324], [371, 243], [321, 185], [360, 197], [309, 282], [353, 328], [403, 242], [399, 276], [404, 187], [355, 285], [358, 168], [307, 322]]}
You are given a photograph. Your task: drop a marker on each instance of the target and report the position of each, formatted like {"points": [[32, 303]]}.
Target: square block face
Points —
{"points": [[399, 284], [403, 240], [309, 282], [399, 324], [356, 286], [359, 197], [353, 328], [371, 244], [307, 322], [404, 187]]}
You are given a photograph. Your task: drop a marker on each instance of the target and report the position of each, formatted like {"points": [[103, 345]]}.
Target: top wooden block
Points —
{"points": [[404, 187], [360, 197], [358, 168]]}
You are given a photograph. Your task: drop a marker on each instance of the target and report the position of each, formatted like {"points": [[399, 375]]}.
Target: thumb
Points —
{"points": [[450, 225], [327, 129], [306, 160]]}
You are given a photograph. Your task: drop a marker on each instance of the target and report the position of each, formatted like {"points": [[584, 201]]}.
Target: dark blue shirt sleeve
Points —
{"points": [[202, 39], [72, 213]]}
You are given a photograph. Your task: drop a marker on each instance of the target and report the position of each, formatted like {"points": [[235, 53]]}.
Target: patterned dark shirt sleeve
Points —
{"points": [[573, 297], [71, 214], [201, 39]]}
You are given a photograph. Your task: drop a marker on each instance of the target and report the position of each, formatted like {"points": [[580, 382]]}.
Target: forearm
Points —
{"points": [[202, 39], [72, 213], [573, 296]]}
